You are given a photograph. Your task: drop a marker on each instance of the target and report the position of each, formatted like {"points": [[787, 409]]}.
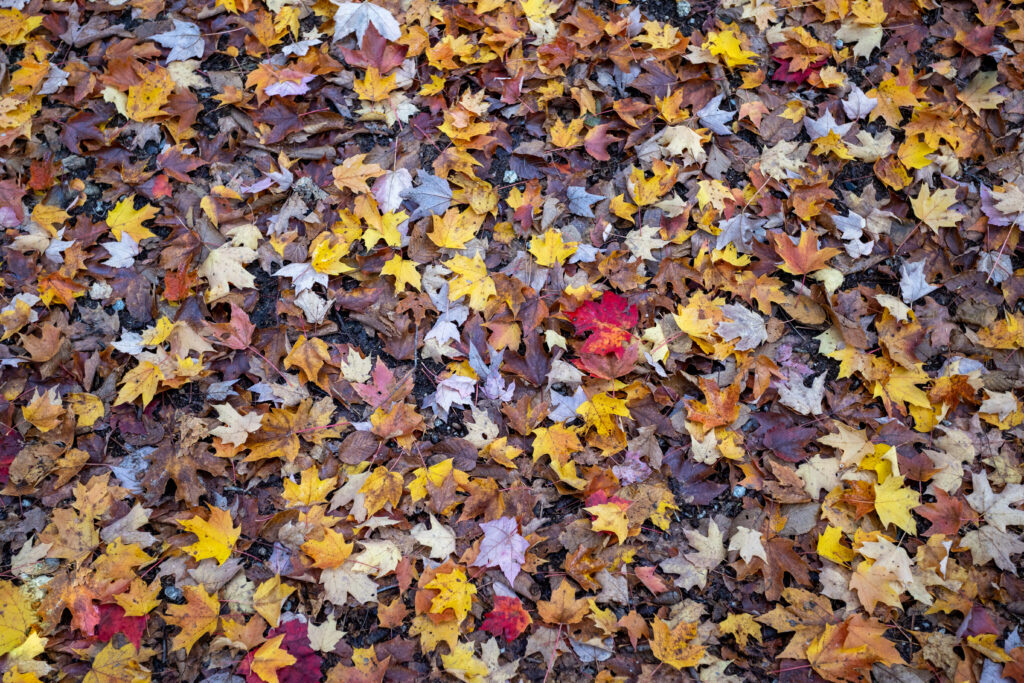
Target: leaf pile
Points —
{"points": [[527, 340]]}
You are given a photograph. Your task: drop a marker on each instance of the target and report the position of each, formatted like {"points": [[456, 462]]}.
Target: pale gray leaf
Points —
{"points": [[580, 201], [184, 41], [356, 17], [912, 282], [432, 197], [743, 324], [714, 118]]}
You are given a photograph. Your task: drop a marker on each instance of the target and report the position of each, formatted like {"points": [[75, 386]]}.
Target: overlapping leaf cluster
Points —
{"points": [[526, 340]]}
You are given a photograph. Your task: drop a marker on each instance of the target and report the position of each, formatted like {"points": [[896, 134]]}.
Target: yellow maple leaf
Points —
{"points": [[549, 248], [452, 230], [310, 489], [373, 88], [140, 599], [831, 548], [146, 99], [269, 658], [933, 208], [330, 552], [464, 665], [379, 226], [436, 475], [726, 44], [309, 355], [217, 535], [899, 385], [676, 647], [117, 665], [124, 218], [16, 616], [267, 599], [404, 271], [741, 627], [470, 278], [431, 634], [600, 412], [893, 504], [327, 253], [380, 488], [197, 617], [558, 441], [45, 410], [610, 517], [142, 380], [353, 174], [568, 135], [455, 592]]}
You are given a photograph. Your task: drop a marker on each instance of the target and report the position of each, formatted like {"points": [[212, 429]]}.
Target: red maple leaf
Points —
{"points": [[508, 618], [609, 322], [113, 621], [296, 642]]}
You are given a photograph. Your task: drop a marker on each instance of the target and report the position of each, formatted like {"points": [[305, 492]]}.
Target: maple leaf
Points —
{"points": [[124, 220], [217, 535], [142, 380], [353, 173], [380, 488], [146, 100], [933, 208], [184, 40], [893, 503], [464, 665], [508, 618], [267, 599], [677, 647], [432, 196], [309, 355], [197, 617], [608, 321], [310, 489], [44, 411], [610, 517], [117, 665], [454, 592], [356, 17], [803, 257], [404, 271], [721, 408], [224, 268], [236, 427], [269, 658], [742, 627], [502, 547], [439, 538], [563, 607], [17, 617], [995, 508], [329, 552]]}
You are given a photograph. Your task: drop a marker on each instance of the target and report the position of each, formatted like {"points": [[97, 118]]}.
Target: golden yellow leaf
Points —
{"points": [[197, 617], [676, 647], [269, 658], [217, 535], [267, 599]]}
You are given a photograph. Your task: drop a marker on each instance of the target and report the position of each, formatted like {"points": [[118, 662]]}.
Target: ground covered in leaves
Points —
{"points": [[522, 340]]}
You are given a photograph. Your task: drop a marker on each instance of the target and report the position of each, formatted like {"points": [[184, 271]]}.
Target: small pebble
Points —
{"points": [[118, 305], [683, 8], [173, 593], [739, 491], [510, 176]]}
